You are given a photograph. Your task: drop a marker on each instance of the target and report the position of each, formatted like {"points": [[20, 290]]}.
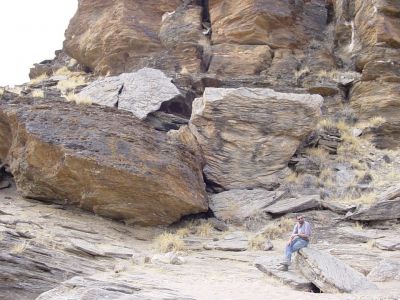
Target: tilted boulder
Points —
{"points": [[249, 135], [329, 274], [140, 92], [103, 160]]}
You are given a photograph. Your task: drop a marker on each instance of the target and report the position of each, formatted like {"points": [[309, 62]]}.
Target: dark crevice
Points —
{"points": [[330, 13], [119, 93]]}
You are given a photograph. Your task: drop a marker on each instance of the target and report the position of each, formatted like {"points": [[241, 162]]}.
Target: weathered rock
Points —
{"points": [[284, 24], [109, 286], [140, 92], [363, 235], [294, 205], [337, 207], [236, 241], [168, 258], [249, 135], [386, 270], [79, 245], [230, 59], [372, 99], [329, 274], [383, 210], [267, 246], [120, 168], [292, 278], [238, 205], [116, 37], [390, 244]]}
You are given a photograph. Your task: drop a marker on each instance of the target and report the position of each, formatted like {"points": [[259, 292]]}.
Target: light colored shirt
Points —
{"points": [[303, 229]]}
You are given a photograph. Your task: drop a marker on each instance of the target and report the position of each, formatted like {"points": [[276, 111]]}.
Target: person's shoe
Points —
{"points": [[283, 267]]}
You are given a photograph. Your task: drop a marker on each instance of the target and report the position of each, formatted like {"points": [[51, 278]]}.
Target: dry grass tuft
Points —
{"points": [[369, 199], [39, 79], [204, 229], [292, 178], [1, 91], [327, 124], [278, 228], [71, 83], [183, 232], [19, 248], [358, 226], [168, 242], [371, 244], [71, 97], [38, 94], [257, 242], [301, 72]]}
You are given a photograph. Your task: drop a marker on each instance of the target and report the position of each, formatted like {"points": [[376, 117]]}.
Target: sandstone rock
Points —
{"points": [[249, 135], [363, 235], [236, 241], [122, 36], [292, 278], [284, 24], [390, 244], [168, 258], [238, 205], [294, 205], [120, 168], [140, 92], [230, 59], [337, 207], [329, 274], [382, 210], [371, 99], [267, 246], [386, 270]]}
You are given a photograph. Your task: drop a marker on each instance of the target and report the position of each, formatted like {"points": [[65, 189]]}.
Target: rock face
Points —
{"points": [[122, 36], [279, 24], [294, 205], [140, 92], [249, 135], [329, 274], [103, 160], [386, 270], [237, 205]]}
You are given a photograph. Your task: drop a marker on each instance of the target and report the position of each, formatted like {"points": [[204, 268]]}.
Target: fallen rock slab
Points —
{"points": [[292, 278], [294, 205], [140, 92], [236, 241], [386, 270], [238, 205], [329, 274], [383, 210], [103, 160], [79, 245], [248, 135], [363, 235], [390, 244]]}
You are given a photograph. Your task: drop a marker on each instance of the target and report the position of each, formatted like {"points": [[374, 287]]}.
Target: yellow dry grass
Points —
{"points": [[38, 94], [19, 248], [168, 242], [368, 199], [70, 83], [39, 79], [303, 71], [1, 91], [204, 229], [71, 97], [183, 232], [278, 228], [257, 242], [371, 244]]}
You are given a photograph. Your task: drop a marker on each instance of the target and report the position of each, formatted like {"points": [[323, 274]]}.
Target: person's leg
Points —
{"points": [[288, 253], [298, 244]]}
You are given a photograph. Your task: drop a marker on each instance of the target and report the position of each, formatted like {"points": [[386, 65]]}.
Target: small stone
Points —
{"points": [[268, 246]]}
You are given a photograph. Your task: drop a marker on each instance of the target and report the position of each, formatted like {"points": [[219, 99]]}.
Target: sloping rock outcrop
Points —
{"points": [[249, 135], [101, 159], [121, 36], [329, 274], [140, 92]]}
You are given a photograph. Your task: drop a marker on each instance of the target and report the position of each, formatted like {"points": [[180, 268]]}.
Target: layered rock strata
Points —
{"points": [[101, 159], [249, 135]]}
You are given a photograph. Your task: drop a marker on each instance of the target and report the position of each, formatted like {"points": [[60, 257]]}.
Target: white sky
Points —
{"points": [[30, 31]]}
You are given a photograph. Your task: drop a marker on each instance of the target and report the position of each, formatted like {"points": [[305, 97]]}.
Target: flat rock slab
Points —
{"points": [[79, 245], [236, 241], [238, 205], [386, 270], [292, 278], [294, 205], [337, 207], [140, 92], [363, 235], [382, 210], [390, 244], [103, 160], [329, 274]]}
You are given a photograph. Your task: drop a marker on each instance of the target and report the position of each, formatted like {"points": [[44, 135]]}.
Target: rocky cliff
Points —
{"points": [[210, 115]]}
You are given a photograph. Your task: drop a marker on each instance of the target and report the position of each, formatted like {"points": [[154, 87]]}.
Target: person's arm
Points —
{"points": [[307, 232], [294, 234]]}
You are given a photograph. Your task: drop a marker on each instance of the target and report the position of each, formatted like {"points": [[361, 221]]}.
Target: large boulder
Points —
{"points": [[329, 274], [249, 135], [279, 24], [121, 36], [103, 160], [140, 92]]}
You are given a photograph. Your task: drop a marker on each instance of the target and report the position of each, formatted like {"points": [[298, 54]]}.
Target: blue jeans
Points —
{"points": [[294, 246]]}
